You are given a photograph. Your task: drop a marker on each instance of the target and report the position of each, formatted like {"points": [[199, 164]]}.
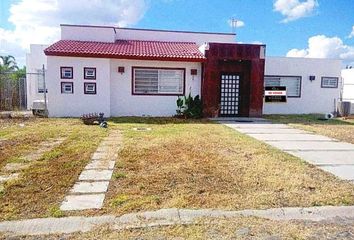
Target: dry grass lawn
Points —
{"points": [[40, 188], [201, 164], [179, 163], [335, 128]]}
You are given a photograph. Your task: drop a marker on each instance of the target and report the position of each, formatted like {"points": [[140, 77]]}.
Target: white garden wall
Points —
{"points": [[314, 98], [348, 85]]}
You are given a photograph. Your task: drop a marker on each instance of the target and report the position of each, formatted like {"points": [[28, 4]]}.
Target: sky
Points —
{"points": [[293, 28]]}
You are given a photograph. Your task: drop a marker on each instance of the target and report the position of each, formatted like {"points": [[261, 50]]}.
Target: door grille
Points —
{"points": [[229, 102]]}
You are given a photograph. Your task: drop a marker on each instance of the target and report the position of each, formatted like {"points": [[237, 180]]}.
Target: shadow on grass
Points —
{"points": [[159, 120], [307, 119]]}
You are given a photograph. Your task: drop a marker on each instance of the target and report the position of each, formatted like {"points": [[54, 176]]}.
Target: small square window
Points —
{"points": [[90, 88], [329, 82], [89, 73], [67, 87], [66, 72]]}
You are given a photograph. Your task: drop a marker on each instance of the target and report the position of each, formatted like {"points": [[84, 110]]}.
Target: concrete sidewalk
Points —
{"points": [[168, 217], [326, 153]]}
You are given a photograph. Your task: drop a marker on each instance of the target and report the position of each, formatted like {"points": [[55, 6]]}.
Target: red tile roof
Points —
{"points": [[128, 49]]}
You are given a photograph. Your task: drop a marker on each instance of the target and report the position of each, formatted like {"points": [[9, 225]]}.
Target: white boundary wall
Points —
{"points": [[110, 34], [314, 98], [348, 85]]}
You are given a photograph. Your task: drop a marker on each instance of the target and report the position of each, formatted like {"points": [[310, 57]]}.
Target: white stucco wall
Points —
{"points": [[314, 99], [34, 62], [82, 33], [114, 90], [110, 34], [123, 103], [74, 105], [174, 36]]}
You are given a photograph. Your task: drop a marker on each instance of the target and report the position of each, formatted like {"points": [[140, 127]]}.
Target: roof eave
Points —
{"points": [[129, 57]]}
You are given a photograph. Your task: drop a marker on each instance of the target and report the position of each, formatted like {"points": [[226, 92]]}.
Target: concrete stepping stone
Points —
{"points": [[89, 191], [96, 175], [99, 155], [102, 164], [103, 148], [15, 166], [90, 187], [5, 178], [82, 202], [33, 156]]}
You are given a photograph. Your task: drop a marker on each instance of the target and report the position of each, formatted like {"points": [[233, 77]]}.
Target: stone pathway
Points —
{"points": [[89, 191], [167, 217], [328, 154], [12, 170]]}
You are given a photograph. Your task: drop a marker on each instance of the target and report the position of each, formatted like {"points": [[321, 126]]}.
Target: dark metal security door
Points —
{"points": [[229, 97]]}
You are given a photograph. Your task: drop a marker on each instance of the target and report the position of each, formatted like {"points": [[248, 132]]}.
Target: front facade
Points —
{"points": [[137, 72]]}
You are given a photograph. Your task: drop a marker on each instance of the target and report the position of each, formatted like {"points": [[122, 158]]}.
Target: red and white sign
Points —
{"points": [[275, 93]]}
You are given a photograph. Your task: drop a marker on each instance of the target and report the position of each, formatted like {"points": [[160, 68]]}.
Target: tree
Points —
{"points": [[8, 64]]}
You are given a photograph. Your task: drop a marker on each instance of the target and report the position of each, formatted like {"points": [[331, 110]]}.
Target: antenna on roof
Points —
{"points": [[233, 24]]}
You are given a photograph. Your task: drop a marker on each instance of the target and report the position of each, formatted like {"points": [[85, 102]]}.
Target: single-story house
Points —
{"points": [[142, 72]]}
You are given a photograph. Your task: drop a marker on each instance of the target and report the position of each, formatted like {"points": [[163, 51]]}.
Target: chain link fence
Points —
{"points": [[12, 93]]}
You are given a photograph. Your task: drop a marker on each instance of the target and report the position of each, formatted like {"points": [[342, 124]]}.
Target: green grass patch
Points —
{"points": [[119, 200], [119, 175], [55, 212]]}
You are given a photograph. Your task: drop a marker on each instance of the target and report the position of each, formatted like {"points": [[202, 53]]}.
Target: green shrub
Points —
{"points": [[189, 107]]}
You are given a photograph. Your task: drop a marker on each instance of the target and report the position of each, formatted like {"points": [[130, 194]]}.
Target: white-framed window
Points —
{"points": [[66, 72], [90, 88], [329, 82], [292, 84], [89, 73], [67, 87], [153, 81]]}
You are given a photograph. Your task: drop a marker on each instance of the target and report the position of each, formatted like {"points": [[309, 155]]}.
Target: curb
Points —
{"points": [[166, 217]]}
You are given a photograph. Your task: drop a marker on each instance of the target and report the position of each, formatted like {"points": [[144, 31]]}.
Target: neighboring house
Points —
{"points": [[140, 72], [35, 60]]}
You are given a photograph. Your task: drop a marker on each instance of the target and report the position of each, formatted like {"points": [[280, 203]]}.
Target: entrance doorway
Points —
{"points": [[230, 95]]}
